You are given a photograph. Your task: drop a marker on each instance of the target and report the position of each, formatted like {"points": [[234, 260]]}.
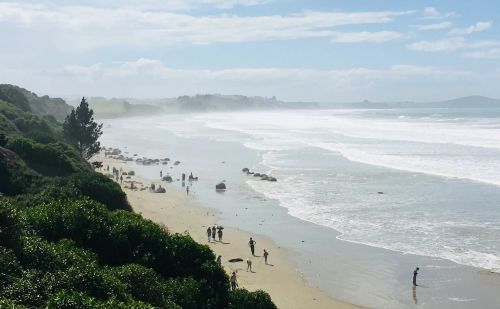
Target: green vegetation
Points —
{"points": [[111, 108], [68, 238], [80, 130]]}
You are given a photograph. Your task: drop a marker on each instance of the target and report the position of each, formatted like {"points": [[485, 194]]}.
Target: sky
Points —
{"points": [[314, 50]]}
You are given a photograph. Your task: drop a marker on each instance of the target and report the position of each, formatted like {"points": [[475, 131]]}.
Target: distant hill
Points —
{"points": [[123, 107], [29, 101], [464, 102], [110, 108], [470, 102], [217, 102]]}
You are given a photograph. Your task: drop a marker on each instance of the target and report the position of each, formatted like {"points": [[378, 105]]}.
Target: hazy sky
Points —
{"points": [[296, 50]]}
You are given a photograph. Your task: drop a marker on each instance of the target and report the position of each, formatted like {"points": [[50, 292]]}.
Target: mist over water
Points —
{"points": [[425, 182]]}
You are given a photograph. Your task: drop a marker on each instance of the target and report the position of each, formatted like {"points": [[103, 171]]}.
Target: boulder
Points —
{"points": [[131, 173], [177, 162], [220, 186], [245, 170], [272, 179], [256, 175], [167, 178]]}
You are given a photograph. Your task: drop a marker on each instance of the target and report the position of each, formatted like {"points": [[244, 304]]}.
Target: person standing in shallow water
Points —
{"points": [[252, 243], [415, 273]]}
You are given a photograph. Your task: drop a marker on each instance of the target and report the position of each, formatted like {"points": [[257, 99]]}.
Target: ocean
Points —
{"points": [[414, 185]]}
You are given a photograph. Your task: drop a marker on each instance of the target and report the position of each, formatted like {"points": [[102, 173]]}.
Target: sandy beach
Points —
{"points": [[177, 211]]}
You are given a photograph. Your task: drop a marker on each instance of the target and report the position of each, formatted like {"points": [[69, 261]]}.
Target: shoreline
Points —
{"points": [[180, 214]]}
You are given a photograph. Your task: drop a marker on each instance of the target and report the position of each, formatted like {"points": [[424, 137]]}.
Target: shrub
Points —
{"points": [[9, 304], [141, 283], [186, 292], [10, 268], [48, 159], [99, 188], [10, 228], [78, 300], [15, 176], [243, 299]]}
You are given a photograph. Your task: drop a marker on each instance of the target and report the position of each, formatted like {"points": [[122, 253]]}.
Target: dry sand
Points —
{"points": [[179, 214]]}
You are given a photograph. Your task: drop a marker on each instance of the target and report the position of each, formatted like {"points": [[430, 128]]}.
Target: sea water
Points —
{"points": [[414, 181]]}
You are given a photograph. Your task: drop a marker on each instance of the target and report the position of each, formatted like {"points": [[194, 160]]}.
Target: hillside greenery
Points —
{"points": [[68, 237]]}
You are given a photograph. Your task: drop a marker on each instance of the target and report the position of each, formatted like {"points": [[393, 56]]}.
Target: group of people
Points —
{"points": [[211, 231]]}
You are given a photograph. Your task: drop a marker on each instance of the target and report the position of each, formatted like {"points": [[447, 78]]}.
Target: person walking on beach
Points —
{"points": [[415, 273], [219, 234], [266, 254], [233, 281], [209, 233], [219, 260], [252, 243], [249, 265], [121, 179], [187, 190], [213, 233]]}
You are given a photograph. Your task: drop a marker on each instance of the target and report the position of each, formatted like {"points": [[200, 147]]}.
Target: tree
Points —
{"points": [[82, 131]]}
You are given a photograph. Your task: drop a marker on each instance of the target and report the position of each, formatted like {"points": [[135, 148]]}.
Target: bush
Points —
{"points": [[10, 268], [243, 299], [79, 300], [186, 292], [10, 228], [15, 176], [12, 94], [141, 283], [120, 238], [9, 304], [48, 159], [99, 188]]}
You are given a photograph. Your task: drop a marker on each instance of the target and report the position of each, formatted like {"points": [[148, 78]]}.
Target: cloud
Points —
{"points": [[478, 27], [365, 37], [438, 26], [80, 28], [165, 5], [492, 53], [485, 49], [152, 78], [432, 13], [444, 45]]}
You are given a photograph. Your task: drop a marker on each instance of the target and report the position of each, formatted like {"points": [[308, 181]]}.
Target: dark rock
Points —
{"points": [[220, 186]]}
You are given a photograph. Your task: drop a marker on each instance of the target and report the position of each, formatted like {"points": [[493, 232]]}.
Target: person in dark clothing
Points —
{"points": [[252, 243], [234, 281], [213, 232], [209, 233], [415, 273], [219, 234]]}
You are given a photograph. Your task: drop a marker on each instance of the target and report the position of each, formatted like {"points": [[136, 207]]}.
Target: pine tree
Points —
{"points": [[82, 131]]}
